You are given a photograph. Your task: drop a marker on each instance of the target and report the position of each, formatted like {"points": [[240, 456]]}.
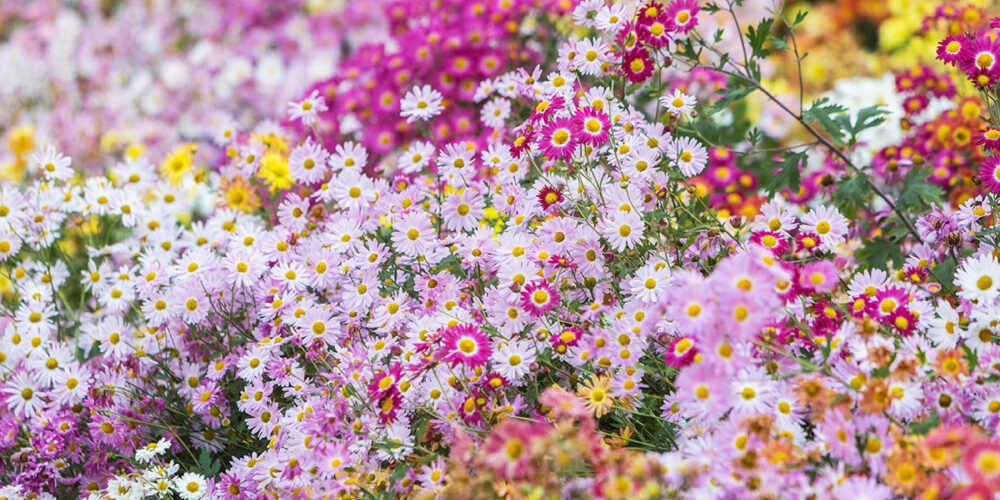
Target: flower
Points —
{"points": [[950, 49], [679, 103], [989, 174], [592, 126], [466, 345], [421, 103], [596, 395], [191, 486], [539, 297], [637, 65], [559, 138], [307, 110], [979, 278], [682, 14], [53, 164], [689, 155], [828, 223]]}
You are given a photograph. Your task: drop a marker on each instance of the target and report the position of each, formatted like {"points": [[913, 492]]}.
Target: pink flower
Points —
{"points": [[682, 14], [593, 126], [539, 297], [466, 345], [559, 139]]}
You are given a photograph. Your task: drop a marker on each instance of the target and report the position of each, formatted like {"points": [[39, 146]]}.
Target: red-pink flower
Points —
{"points": [[466, 345], [539, 297], [559, 139]]}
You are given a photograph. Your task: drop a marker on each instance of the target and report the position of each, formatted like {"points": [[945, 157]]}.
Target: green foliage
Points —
{"points": [[789, 174]]}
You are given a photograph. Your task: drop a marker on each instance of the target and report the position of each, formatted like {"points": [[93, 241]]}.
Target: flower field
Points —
{"points": [[499, 249]]}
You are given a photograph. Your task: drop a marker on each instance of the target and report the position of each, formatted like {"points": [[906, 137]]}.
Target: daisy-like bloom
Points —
{"points": [[637, 65], [549, 196], [53, 164], [307, 111], [623, 230], [982, 462], [414, 234], [495, 112], [152, 450], [559, 139], [610, 19], [191, 486], [421, 103], [980, 61], [24, 395], [828, 223], [702, 392], [416, 157], [979, 279], [513, 360], [596, 395], [682, 14], [679, 103], [819, 276], [466, 345], [591, 55], [680, 352], [689, 155], [989, 138], [593, 126], [539, 297], [950, 49], [989, 174], [307, 162]]}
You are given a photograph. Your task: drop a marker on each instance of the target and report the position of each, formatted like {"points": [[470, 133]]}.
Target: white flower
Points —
{"points": [[421, 103], [53, 164], [679, 103], [190, 486], [979, 279], [307, 111], [152, 450]]}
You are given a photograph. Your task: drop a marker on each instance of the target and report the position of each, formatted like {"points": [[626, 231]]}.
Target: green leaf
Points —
{"points": [[735, 90], [851, 192], [799, 17], [789, 174], [779, 43], [876, 253], [757, 36], [869, 117], [832, 118], [926, 425], [917, 193]]}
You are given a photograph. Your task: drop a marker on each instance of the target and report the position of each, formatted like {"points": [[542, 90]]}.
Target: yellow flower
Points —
{"points": [[178, 163], [239, 195], [274, 171], [21, 140]]}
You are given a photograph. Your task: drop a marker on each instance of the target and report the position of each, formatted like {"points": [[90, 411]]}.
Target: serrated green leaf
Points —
{"points": [[832, 118], [917, 194], [757, 36], [876, 253], [851, 192], [788, 175], [799, 17]]}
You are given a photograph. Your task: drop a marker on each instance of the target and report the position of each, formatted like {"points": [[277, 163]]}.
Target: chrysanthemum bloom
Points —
{"points": [[982, 462], [828, 223], [549, 196], [592, 125], [989, 174], [308, 110], [683, 15], [596, 395], [507, 450], [637, 65], [950, 49], [689, 155], [466, 345], [421, 103], [53, 164], [679, 103], [979, 278], [539, 297], [559, 139], [680, 352], [981, 61], [989, 138]]}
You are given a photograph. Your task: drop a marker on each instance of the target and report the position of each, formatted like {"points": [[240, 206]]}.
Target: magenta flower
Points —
{"points": [[466, 345], [539, 297]]}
